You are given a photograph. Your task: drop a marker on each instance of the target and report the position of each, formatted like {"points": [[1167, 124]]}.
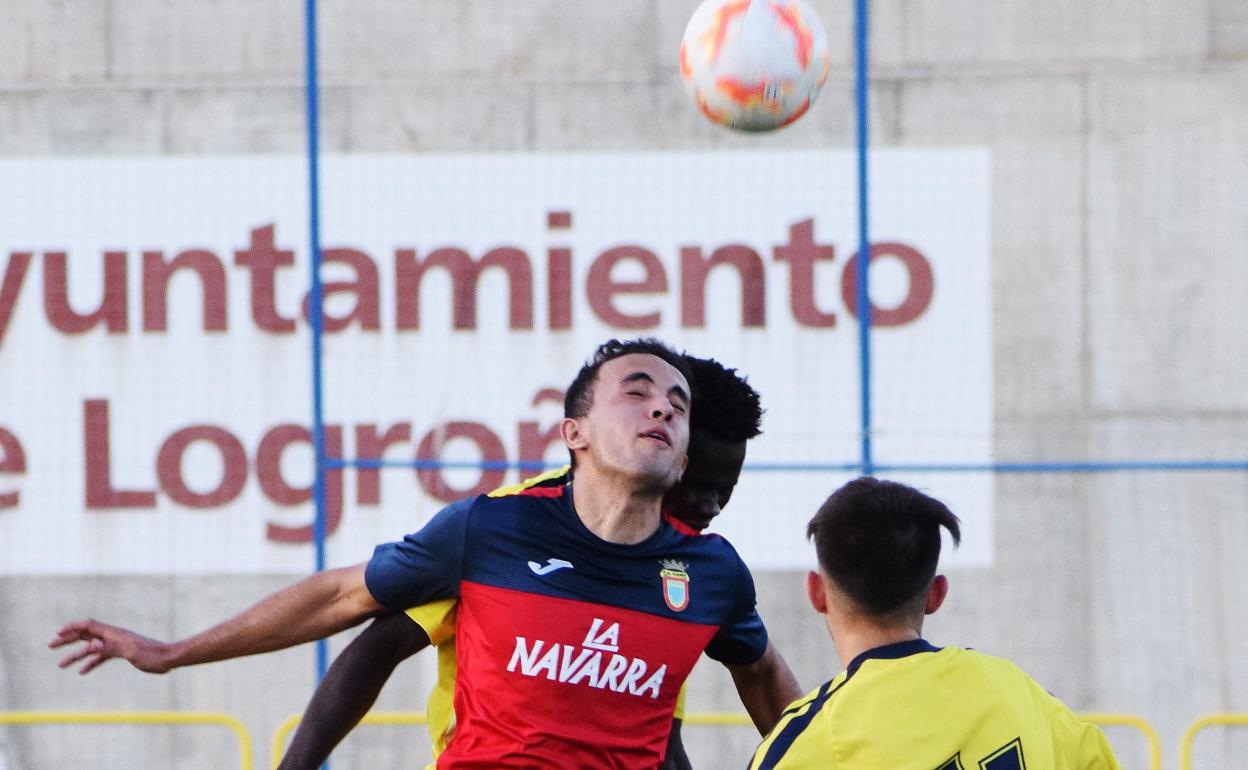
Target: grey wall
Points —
{"points": [[1119, 139]]}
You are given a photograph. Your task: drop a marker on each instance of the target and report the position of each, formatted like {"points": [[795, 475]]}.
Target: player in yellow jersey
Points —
{"points": [[728, 414], [901, 703]]}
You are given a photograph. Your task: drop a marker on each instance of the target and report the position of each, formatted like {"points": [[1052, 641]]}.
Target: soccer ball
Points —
{"points": [[754, 65]]}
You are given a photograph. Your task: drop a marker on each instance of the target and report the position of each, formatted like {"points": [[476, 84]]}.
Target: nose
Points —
{"points": [[663, 410]]}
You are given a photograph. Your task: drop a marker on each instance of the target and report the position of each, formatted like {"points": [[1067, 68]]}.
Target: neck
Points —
{"points": [[615, 509], [854, 636]]}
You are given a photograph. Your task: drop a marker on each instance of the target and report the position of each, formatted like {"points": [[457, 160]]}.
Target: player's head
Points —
{"points": [[627, 411], [728, 415], [878, 543]]}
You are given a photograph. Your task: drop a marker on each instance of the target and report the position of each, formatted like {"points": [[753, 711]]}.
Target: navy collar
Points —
{"points": [[890, 652]]}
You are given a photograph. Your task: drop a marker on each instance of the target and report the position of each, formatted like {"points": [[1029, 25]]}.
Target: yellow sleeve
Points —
{"points": [[1082, 741], [679, 713], [1095, 752], [436, 618]]}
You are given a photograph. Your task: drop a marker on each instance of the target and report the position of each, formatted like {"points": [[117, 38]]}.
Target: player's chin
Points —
{"points": [[700, 523], [658, 472]]}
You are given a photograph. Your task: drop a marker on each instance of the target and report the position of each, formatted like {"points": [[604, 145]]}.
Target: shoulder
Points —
{"points": [[514, 505], [1001, 674], [549, 484], [709, 544], [793, 742]]}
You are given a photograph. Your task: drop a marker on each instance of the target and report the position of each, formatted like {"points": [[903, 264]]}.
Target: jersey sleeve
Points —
{"points": [[424, 566], [436, 618], [742, 639], [1084, 743], [1095, 752]]}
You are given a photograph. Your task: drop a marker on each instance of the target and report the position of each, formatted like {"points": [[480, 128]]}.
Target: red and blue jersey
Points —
{"points": [[571, 649]]}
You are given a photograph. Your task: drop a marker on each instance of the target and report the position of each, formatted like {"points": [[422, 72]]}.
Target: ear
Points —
{"points": [[816, 592], [936, 594], [573, 436]]}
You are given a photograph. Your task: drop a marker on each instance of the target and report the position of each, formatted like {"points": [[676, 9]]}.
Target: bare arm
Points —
{"points": [[315, 607], [766, 687], [350, 688]]}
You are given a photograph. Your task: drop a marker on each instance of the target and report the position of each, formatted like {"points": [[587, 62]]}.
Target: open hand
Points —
{"points": [[102, 642]]}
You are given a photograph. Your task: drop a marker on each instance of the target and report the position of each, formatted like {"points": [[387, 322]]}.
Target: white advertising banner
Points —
{"points": [[156, 366]]}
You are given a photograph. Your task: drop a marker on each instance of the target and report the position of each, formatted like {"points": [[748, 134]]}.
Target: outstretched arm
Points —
{"points": [[766, 687], [350, 688], [315, 607]]}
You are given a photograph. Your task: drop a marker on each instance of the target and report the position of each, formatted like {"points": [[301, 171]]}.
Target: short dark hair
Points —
{"points": [[580, 396], [879, 541], [728, 407]]}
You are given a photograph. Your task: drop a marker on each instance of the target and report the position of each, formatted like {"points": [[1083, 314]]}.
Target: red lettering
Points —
{"points": [[10, 290], [370, 446], [489, 446], [112, 308], [919, 293], [602, 288], [269, 474], [169, 467], [465, 275], [801, 252], [96, 449], [12, 460], [559, 274], [693, 272], [559, 288], [156, 275], [263, 259], [533, 440], [366, 288]]}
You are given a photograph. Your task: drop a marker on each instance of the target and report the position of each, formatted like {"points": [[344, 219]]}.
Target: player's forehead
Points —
{"points": [[641, 368]]}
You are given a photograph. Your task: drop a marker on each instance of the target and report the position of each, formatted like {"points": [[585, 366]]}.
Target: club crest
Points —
{"points": [[675, 584]]}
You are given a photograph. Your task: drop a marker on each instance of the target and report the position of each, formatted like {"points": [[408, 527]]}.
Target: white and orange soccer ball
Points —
{"points": [[754, 65]]}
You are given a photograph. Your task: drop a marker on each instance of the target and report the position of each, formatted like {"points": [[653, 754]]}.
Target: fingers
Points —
{"points": [[90, 665], [92, 654], [72, 632], [94, 649]]}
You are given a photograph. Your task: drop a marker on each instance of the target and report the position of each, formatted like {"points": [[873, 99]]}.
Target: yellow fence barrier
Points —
{"points": [[1127, 720], [245, 748], [730, 719], [288, 725], [1185, 749]]}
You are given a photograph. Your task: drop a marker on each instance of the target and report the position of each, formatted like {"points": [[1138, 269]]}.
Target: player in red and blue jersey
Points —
{"points": [[728, 414], [560, 666]]}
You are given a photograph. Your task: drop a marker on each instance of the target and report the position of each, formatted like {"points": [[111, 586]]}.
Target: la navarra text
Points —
{"points": [[355, 300], [429, 447]]}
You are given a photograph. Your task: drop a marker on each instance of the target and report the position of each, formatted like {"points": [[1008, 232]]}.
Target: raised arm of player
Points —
{"points": [[315, 607], [350, 688], [766, 687]]}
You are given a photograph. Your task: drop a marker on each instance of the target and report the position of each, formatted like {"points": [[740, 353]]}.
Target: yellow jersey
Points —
{"points": [[912, 706]]}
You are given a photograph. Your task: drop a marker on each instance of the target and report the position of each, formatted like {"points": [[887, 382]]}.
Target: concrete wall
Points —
{"points": [[1119, 139]]}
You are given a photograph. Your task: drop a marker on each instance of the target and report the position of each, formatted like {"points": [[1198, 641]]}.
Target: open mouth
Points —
{"points": [[658, 435]]}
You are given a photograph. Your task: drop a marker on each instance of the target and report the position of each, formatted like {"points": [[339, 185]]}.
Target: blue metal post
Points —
{"points": [[315, 309], [863, 299]]}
